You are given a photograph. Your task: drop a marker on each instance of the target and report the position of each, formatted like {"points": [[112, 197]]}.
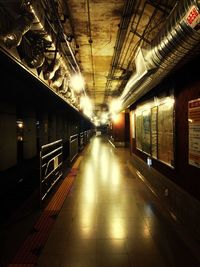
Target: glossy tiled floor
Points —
{"points": [[111, 219]]}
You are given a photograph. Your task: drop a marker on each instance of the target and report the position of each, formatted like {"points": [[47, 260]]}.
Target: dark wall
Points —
{"points": [[45, 118], [187, 88], [186, 84], [118, 128]]}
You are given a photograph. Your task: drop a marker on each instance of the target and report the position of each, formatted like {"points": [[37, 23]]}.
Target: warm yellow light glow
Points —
{"points": [[115, 117], [86, 106], [85, 102], [20, 124], [115, 175], [97, 123], [95, 148], [146, 232], [156, 101], [104, 118], [77, 83], [169, 101], [104, 166], [146, 112], [144, 108], [117, 227], [115, 106]]}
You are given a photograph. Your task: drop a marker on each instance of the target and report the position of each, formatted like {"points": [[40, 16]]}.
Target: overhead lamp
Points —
{"points": [[104, 118], [86, 106], [115, 106], [115, 118], [77, 83], [97, 123]]}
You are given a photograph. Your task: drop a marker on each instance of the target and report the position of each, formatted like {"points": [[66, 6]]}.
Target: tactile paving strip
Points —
{"points": [[28, 253]]}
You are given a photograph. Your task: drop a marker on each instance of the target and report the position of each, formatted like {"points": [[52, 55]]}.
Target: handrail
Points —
{"points": [[73, 146], [50, 144], [51, 160], [73, 136]]}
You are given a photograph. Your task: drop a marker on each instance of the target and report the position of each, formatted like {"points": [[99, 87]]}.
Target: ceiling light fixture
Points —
{"points": [[115, 106], [77, 83], [86, 106]]}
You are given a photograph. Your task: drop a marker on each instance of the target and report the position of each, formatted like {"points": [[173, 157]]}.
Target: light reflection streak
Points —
{"points": [[117, 228], [115, 175], [88, 202], [102, 160]]}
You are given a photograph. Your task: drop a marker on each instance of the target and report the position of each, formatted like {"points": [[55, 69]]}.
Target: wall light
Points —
{"points": [[20, 124]]}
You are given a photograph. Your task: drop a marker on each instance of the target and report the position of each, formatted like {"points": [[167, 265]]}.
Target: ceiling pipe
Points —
{"points": [[36, 59], [49, 69], [64, 86], [22, 25], [71, 58], [179, 37], [129, 7]]}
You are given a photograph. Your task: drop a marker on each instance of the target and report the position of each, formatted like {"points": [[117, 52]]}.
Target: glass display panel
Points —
{"points": [[146, 131], [165, 133], [154, 147], [139, 131], [194, 132]]}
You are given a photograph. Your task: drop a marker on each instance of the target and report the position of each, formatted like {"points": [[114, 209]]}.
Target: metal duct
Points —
{"points": [[37, 59], [64, 86], [50, 69], [58, 77], [175, 42], [21, 26]]}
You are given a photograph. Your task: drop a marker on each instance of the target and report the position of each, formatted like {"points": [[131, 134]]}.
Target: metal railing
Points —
{"points": [[81, 141], [51, 159], [73, 146]]}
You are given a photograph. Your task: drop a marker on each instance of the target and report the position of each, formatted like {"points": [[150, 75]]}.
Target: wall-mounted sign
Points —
{"points": [[193, 17], [194, 132]]}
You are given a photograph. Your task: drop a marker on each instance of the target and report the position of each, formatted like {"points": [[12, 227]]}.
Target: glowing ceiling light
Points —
{"points": [[115, 117], [86, 106], [104, 118], [115, 105], [97, 123], [77, 83], [20, 124]]}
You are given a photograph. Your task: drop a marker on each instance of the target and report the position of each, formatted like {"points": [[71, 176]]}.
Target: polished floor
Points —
{"points": [[111, 219]]}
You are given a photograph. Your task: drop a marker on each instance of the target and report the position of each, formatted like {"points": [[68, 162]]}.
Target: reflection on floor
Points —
{"points": [[111, 219]]}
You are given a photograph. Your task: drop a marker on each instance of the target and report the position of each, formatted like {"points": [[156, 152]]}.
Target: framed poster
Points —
{"points": [[132, 117], [139, 131], [194, 132], [154, 146], [146, 131], [165, 133]]}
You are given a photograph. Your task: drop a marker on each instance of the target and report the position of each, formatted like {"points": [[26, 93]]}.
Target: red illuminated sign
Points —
{"points": [[193, 17]]}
